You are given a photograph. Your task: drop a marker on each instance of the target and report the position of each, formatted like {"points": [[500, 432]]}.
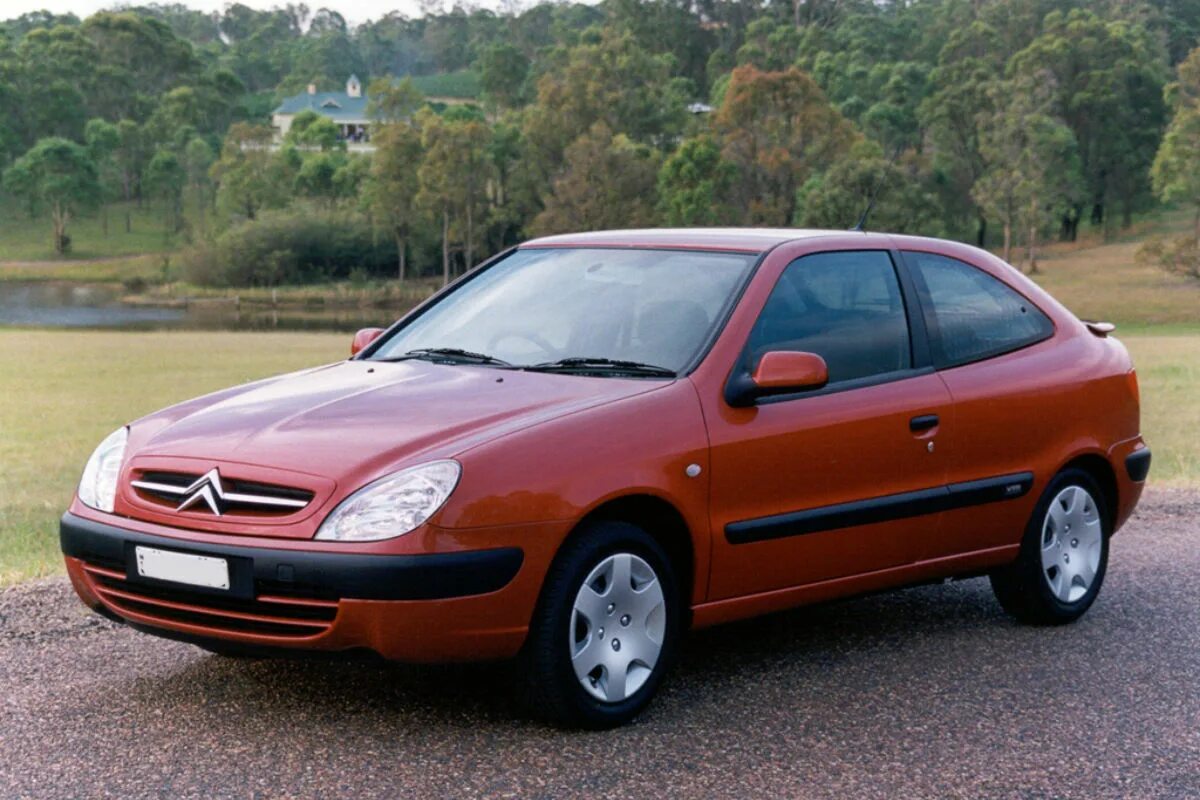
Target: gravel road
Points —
{"points": [[927, 692]]}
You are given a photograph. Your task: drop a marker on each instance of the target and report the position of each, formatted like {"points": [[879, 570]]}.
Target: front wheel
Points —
{"points": [[1064, 554], [605, 630]]}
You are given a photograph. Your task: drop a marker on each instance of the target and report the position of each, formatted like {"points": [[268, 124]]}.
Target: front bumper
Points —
{"points": [[416, 607]]}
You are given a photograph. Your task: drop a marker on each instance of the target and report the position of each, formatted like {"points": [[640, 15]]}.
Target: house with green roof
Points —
{"points": [[347, 109]]}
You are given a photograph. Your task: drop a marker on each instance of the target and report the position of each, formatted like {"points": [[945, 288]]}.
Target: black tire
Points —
{"points": [[1023, 588], [552, 690]]}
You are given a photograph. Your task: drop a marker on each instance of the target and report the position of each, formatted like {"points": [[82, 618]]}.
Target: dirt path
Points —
{"points": [[928, 692]]}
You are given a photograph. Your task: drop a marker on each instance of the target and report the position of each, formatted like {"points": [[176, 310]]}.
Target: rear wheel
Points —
{"points": [[1064, 554], [605, 630]]}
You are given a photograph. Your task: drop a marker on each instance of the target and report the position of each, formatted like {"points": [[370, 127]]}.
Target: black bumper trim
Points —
{"points": [[305, 573], [1137, 464]]}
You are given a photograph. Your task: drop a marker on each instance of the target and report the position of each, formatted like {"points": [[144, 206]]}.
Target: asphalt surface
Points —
{"points": [[926, 692]]}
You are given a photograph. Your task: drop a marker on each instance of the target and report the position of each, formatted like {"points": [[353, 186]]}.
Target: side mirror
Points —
{"points": [[778, 372], [364, 338]]}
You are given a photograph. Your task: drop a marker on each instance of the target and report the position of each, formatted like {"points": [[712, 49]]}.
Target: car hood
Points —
{"points": [[328, 431], [353, 419]]}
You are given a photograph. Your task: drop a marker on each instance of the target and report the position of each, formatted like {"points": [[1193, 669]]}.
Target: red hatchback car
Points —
{"points": [[594, 442]]}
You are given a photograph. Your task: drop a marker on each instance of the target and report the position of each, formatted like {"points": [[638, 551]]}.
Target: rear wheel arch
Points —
{"points": [[1101, 471]]}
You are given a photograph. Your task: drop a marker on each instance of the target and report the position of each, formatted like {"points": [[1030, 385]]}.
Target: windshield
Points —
{"points": [[537, 307]]}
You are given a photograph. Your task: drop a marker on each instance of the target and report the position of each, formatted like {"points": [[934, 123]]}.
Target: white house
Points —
{"points": [[348, 109]]}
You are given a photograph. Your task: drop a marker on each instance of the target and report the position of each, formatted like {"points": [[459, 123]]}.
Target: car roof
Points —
{"points": [[747, 240]]}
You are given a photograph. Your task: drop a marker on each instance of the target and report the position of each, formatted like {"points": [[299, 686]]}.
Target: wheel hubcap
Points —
{"points": [[1072, 539], [624, 595]]}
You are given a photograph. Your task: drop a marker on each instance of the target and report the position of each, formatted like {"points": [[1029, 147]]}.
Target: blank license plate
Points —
{"points": [[165, 565]]}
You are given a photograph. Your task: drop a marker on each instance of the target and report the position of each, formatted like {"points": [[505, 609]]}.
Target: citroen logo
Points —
{"points": [[206, 488]]}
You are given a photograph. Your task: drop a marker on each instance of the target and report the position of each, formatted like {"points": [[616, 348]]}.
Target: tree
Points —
{"points": [[1176, 171], [310, 129], [778, 129], [198, 159], [694, 184], [1031, 164], [609, 78], [1108, 78], [838, 197], [103, 139], [248, 176], [970, 61], [392, 186], [502, 72], [393, 101], [165, 180], [452, 177], [58, 174], [130, 158], [317, 176], [607, 181]]}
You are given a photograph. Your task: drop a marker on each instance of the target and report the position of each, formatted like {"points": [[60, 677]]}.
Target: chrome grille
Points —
{"points": [[217, 494]]}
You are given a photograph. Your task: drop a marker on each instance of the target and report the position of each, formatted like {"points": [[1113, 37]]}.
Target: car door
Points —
{"points": [[1008, 393], [839, 480]]}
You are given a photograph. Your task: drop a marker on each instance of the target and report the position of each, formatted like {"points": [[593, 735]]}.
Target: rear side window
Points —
{"points": [[846, 307], [971, 315]]}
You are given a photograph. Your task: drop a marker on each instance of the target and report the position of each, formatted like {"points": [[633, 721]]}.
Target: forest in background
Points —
{"points": [[1005, 123]]}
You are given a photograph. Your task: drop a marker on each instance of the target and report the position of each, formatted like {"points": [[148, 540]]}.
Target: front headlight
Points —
{"points": [[98, 486], [392, 506]]}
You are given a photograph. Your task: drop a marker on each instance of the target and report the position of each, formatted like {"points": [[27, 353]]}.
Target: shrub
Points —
{"points": [[291, 247], [1179, 256]]}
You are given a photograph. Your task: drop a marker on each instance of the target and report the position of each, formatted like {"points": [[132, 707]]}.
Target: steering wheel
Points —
{"points": [[529, 336]]}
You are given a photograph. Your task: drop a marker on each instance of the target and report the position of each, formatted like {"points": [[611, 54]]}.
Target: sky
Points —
{"points": [[355, 11]]}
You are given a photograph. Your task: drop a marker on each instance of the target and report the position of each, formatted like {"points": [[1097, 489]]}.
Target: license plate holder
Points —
{"points": [[240, 571], [208, 572]]}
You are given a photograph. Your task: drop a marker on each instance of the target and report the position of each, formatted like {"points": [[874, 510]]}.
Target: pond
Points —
{"points": [[54, 304]]}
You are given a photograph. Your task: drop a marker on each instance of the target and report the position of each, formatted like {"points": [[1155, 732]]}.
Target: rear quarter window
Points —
{"points": [[971, 315]]}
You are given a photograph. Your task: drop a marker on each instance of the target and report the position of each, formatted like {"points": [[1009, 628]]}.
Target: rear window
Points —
{"points": [[971, 315]]}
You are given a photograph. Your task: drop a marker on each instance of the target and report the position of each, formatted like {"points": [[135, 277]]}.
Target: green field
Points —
{"points": [[24, 239]]}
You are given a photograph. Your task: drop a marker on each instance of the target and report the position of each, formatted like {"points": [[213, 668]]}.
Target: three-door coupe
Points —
{"points": [[593, 442]]}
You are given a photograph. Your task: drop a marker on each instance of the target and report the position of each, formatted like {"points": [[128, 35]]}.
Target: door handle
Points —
{"points": [[923, 422]]}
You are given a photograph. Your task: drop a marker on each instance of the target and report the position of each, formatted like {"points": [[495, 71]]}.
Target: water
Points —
{"points": [[53, 304]]}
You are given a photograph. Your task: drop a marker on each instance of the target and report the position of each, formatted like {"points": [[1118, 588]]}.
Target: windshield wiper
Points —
{"points": [[611, 365], [451, 354]]}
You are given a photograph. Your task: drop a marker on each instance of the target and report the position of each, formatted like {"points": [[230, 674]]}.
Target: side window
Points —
{"points": [[969, 314], [846, 307]]}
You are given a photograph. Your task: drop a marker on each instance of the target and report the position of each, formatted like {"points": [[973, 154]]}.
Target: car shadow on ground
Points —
{"points": [[784, 648]]}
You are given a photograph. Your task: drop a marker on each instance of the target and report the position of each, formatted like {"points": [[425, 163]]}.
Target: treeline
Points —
{"points": [[1004, 123]]}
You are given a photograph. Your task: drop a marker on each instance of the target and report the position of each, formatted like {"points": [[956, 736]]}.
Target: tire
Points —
{"points": [[1063, 556], [587, 631]]}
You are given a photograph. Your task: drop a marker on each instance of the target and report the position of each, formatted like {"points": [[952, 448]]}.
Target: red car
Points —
{"points": [[594, 442]]}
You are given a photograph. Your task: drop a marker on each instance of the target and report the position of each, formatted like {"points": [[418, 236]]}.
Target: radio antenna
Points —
{"points": [[860, 226]]}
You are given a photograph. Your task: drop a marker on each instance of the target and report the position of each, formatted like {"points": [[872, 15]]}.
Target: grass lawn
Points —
{"points": [[117, 269], [63, 391], [1102, 280], [25, 239]]}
